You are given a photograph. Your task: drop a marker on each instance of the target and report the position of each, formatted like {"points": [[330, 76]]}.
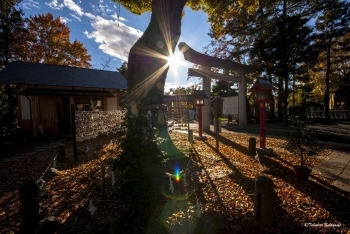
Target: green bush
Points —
{"points": [[301, 142]]}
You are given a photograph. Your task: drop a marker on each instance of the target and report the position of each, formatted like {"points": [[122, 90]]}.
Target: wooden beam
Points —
{"points": [[218, 76], [208, 61]]}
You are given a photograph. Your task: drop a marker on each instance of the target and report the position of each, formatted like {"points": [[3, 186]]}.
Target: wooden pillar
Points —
{"points": [[252, 146], [264, 202], [206, 109], [242, 101], [74, 137], [62, 153], [103, 182], [28, 206]]}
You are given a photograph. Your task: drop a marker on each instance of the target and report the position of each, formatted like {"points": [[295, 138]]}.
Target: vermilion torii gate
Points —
{"points": [[207, 62]]}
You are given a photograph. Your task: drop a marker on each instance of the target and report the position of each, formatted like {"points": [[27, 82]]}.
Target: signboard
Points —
{"points": [[230, 105]]}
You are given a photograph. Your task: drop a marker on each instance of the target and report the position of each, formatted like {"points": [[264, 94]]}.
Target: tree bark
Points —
{"points": [[280, 99], [272, 103], [147, 64], [285, 68], [326, 93]]}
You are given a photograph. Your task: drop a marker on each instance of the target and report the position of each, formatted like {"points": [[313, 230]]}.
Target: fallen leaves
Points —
{"points": [[67, 193], [228, 176], [223, 181]]}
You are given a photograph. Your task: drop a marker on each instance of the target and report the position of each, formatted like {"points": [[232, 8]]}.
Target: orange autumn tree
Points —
{"points": [[48, 41]]}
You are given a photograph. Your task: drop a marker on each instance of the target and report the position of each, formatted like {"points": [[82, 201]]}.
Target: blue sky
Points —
{"points": [[95, 23]]}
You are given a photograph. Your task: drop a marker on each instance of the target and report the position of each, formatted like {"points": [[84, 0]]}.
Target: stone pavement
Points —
{"points": [[335, 166]]}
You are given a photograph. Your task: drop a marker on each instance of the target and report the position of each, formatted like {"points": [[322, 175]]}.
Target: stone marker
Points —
{"points": [[252, 146], [61, 153], [28, 206], [264, 201], [190, 136], [249, 224], [48, 226]]}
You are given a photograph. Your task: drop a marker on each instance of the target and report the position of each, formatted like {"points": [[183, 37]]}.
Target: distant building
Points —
{"points": [[178, 105]]}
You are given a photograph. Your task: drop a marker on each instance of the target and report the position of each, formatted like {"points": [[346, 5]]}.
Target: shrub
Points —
{"points": [[139, 166], [302, 143]]}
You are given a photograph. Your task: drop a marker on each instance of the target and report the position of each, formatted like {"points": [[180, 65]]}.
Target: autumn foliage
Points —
{"points": [[220, 180], [47, 40]]}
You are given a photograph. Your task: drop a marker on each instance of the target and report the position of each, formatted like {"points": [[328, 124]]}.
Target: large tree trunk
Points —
{"points": [[326, 93], [285, 101], [272, 103], [147, 64], [285, 68], [280, 99]]}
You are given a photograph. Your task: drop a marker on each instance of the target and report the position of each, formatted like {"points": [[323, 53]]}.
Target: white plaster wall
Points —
{"points": [[112, 103]]}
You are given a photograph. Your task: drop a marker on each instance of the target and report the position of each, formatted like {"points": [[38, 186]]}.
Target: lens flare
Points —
{"points": [[177, 174]]}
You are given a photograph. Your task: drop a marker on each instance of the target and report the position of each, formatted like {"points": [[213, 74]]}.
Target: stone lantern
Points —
{"points": [[199, 96], [261, 90]]}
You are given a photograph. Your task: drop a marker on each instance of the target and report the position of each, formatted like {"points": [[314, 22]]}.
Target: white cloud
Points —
{"points": [[103, 9], [75, 17], [113, 39], [73, 7], [55, 5], [112, 35], [31, 4], [115, 16], [173, 85], [170, 85], [94, 7], [64, 19]]}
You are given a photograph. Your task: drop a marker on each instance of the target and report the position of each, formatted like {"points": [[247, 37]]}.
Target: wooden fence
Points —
{"points": [[335, 114]]}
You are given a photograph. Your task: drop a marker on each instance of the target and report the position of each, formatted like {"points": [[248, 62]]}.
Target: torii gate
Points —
{"points": [[207, 62]]}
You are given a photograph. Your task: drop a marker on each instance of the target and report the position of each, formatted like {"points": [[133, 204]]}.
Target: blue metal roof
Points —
{"points": [[55, 75]]}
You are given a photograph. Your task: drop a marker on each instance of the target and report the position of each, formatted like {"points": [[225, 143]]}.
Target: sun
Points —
{"points": [[174, 60]]}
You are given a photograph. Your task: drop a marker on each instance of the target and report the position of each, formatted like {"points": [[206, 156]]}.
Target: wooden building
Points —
{"points": [[46, 94]]}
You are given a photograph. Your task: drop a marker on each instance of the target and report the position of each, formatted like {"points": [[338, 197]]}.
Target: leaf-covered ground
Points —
{"points": [[222, 182]]}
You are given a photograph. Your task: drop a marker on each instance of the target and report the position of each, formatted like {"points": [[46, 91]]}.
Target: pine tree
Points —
{"points": [[222, 88], [332, 25], [11, 22], [272, 34], [123, 69]]}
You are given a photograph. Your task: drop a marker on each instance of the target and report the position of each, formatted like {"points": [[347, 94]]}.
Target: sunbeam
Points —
{"points": [[174, 60]]}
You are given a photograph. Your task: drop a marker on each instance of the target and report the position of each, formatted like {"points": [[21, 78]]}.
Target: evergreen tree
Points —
{"points": [[274, 35], [222, 88], [11, 22], [332, 25], [124, 69]]}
